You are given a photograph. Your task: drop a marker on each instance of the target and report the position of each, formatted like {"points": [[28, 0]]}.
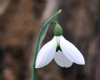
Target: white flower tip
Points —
{"points": [[82, 62], [37, 66]]}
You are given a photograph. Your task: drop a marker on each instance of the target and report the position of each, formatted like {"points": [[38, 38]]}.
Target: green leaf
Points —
{"points": [[40, 39]]}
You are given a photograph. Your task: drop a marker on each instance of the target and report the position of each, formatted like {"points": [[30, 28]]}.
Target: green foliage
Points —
{"points": [[40, 39]]}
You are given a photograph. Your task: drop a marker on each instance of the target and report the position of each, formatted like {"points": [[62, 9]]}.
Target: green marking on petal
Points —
{"points": [[58, 47], [58, 30]]}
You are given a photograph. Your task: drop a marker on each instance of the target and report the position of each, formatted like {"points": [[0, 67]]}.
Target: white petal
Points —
{"points": [[71, 52], [62, 60], [46, 54]]}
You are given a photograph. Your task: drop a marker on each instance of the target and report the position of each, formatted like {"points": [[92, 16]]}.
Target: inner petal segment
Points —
{"points": [[61, 60]]}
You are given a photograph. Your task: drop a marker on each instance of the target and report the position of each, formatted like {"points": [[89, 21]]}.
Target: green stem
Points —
{"points": [[34, 70], [34, 73]]}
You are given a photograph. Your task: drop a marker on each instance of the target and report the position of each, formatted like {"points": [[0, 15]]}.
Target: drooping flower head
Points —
{"points": [[61, 50]]}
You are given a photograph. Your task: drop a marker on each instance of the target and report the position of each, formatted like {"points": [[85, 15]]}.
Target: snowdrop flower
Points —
{"points": [[61, 50]]}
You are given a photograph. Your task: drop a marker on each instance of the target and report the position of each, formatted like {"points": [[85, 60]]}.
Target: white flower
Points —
{"points": [[62, 51]]}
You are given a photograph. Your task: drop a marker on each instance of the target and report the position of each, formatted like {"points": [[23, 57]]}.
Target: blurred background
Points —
{"points": [[20, 22]]}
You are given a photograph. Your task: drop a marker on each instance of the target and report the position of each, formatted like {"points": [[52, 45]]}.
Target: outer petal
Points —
{"points": [[71, 52], [46, 54], [62, 60]]}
